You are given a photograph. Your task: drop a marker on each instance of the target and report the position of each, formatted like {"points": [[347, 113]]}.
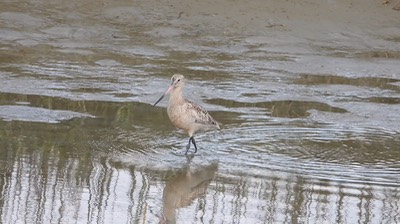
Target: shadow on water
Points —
{"points": [[285, 108], [375, 82], [106, 111], [354, 53], [184, 187]]}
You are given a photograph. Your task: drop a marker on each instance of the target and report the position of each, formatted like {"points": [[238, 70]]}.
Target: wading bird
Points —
{"points": [[185, 114]]}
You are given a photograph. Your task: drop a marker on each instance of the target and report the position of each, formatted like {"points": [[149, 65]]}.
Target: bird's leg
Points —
{"points": [[191, 139], [188, 145], [194, 143]]}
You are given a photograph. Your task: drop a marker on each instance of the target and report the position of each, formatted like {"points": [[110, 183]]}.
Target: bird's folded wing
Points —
{"points": [[200, 115]]}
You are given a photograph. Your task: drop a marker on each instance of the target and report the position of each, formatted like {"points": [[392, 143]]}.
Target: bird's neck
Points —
{"points": [[176, 97]]}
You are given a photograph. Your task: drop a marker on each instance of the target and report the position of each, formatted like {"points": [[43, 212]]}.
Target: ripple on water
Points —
{"points": [[142, 147], [318, 151]]}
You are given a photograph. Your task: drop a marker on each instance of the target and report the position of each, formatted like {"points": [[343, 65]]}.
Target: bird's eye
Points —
{"points": [[178, 80]]}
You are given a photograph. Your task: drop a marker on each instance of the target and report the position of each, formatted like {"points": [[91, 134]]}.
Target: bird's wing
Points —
{"points": [[199, 114]]}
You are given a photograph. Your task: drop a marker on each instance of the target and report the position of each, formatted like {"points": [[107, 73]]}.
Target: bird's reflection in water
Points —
{"points": [[187, 185]]}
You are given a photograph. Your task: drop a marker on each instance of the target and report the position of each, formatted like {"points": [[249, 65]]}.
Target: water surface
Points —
{"points": [[308, 94]]}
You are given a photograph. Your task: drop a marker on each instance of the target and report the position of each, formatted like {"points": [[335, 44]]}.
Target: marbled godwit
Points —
{"points": [[185, 114]]}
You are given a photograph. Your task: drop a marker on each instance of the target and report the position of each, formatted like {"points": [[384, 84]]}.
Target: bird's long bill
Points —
{"points": [[166, 93]]}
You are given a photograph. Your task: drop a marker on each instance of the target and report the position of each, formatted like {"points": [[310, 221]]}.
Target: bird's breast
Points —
{"points": [[177, 115]]}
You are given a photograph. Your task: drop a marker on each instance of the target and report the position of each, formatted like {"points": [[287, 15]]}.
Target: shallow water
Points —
{"points": [[309, 104]]}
